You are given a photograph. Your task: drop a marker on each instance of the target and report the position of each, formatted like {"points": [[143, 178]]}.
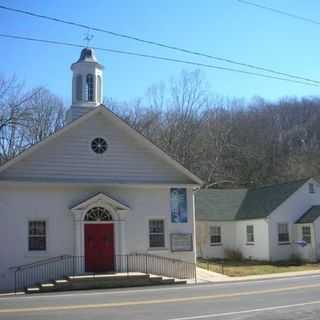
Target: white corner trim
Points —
{"points": [[289, 198]]}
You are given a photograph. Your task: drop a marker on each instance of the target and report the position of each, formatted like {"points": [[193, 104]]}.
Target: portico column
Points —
{"points": [[78, 234], [122, 232], [122, 237]]}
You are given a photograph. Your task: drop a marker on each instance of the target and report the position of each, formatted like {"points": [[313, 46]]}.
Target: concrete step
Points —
{"points": [[46, 285], [178, 281], [60, 281], [156, 278], [109, 277], [103, 281], [33, 290], [162, 280]]}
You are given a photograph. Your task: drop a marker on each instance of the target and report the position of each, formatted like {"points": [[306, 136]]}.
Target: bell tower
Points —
{"points": [[87, 84]]}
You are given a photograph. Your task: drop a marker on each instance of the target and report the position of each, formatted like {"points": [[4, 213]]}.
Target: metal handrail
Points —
{"points": [[39, 262], [67, 265], [162, 257]]}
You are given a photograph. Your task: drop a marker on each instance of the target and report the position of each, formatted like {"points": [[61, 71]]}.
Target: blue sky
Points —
{"points": [[218, 27]]}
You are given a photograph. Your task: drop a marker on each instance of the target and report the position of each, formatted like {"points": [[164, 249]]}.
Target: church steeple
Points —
{"points": [[87, 83]]}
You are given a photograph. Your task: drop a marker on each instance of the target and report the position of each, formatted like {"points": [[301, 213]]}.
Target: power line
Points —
{"points": [[131, 53], [285, 13], [158, 44]]}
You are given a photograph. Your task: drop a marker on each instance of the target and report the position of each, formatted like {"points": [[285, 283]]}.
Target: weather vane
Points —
{"points": [[88, 37]]}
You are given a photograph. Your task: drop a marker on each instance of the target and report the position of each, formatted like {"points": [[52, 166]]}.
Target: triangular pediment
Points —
{"points": [[67, 156], [100, 200]]}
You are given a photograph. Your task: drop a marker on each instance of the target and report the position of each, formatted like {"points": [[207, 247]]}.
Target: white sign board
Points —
{"points": [[181, 242]]}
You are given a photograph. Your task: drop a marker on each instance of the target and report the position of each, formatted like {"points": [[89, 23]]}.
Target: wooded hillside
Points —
{"points": [[225, 141], [229, 142]]}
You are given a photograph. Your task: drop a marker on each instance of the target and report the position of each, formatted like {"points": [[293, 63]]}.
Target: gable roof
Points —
{"points": [[218, 205], [107, 113], [260, 202], [242, 204], [310, 215]]}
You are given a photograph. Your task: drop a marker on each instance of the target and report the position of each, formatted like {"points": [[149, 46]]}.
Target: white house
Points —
{"points": [[274, 222], [95, 189]]}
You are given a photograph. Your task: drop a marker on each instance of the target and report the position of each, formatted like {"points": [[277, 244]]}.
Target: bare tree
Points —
{"points": [[184, 101], [26, 117], [47, 115], [13, 113], [229, 141]]}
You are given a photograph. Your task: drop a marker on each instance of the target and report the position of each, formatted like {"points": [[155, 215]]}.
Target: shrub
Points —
{"points": [[296, 260], [233, 254]]}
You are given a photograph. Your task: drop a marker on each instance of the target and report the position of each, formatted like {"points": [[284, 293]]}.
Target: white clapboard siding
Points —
{"points": [[69, 157]]}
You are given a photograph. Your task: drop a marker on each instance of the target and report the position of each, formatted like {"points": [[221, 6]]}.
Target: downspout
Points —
{"points": [[194, 223], [269, 238]]}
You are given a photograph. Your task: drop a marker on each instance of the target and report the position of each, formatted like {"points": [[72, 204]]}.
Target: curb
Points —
{"points": [[265, 277]]}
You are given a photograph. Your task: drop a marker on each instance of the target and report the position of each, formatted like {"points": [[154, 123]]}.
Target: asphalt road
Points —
{"points": [[279, 299]]}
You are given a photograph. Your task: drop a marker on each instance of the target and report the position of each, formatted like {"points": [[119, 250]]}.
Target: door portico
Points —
{"points": [[116, 221]]}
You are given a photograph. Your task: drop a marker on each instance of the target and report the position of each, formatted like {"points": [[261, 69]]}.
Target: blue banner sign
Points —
{"points": [[178, 201]]}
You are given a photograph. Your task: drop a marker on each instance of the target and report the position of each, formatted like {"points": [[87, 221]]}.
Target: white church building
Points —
{"points": [[95, 189]]}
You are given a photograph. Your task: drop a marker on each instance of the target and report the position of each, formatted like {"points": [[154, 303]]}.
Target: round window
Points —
{"points": [[99, 145]]}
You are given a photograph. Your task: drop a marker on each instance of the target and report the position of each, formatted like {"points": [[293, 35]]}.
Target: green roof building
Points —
{"points": [[272, 222]]}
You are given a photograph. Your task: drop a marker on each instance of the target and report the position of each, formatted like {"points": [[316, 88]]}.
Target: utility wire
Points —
{"points": [[131, 53], [285, 13], [158, 44]]}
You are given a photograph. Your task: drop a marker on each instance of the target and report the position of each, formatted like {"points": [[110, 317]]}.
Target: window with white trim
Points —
{"points": [[306, 234], [311, 188], [99, 82], [250, 233], [215, 235], [156, 233], [89, 88], [37, 238], [79, 87], [283, 233]]}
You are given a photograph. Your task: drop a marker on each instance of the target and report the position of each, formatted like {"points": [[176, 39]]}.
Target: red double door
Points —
{"points": [[99, 247]]}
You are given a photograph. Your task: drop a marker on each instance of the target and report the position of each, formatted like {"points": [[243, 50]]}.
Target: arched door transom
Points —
{"points": [[98, 214]]}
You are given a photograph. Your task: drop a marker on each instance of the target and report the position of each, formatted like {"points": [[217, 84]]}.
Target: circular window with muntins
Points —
{"points": [[99, 145]]}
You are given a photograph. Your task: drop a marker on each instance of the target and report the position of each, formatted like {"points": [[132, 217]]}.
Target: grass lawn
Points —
{"points": [[250, 267]]}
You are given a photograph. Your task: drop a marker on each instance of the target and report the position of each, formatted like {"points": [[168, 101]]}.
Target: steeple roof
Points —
{"points": [[88, 55]]}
